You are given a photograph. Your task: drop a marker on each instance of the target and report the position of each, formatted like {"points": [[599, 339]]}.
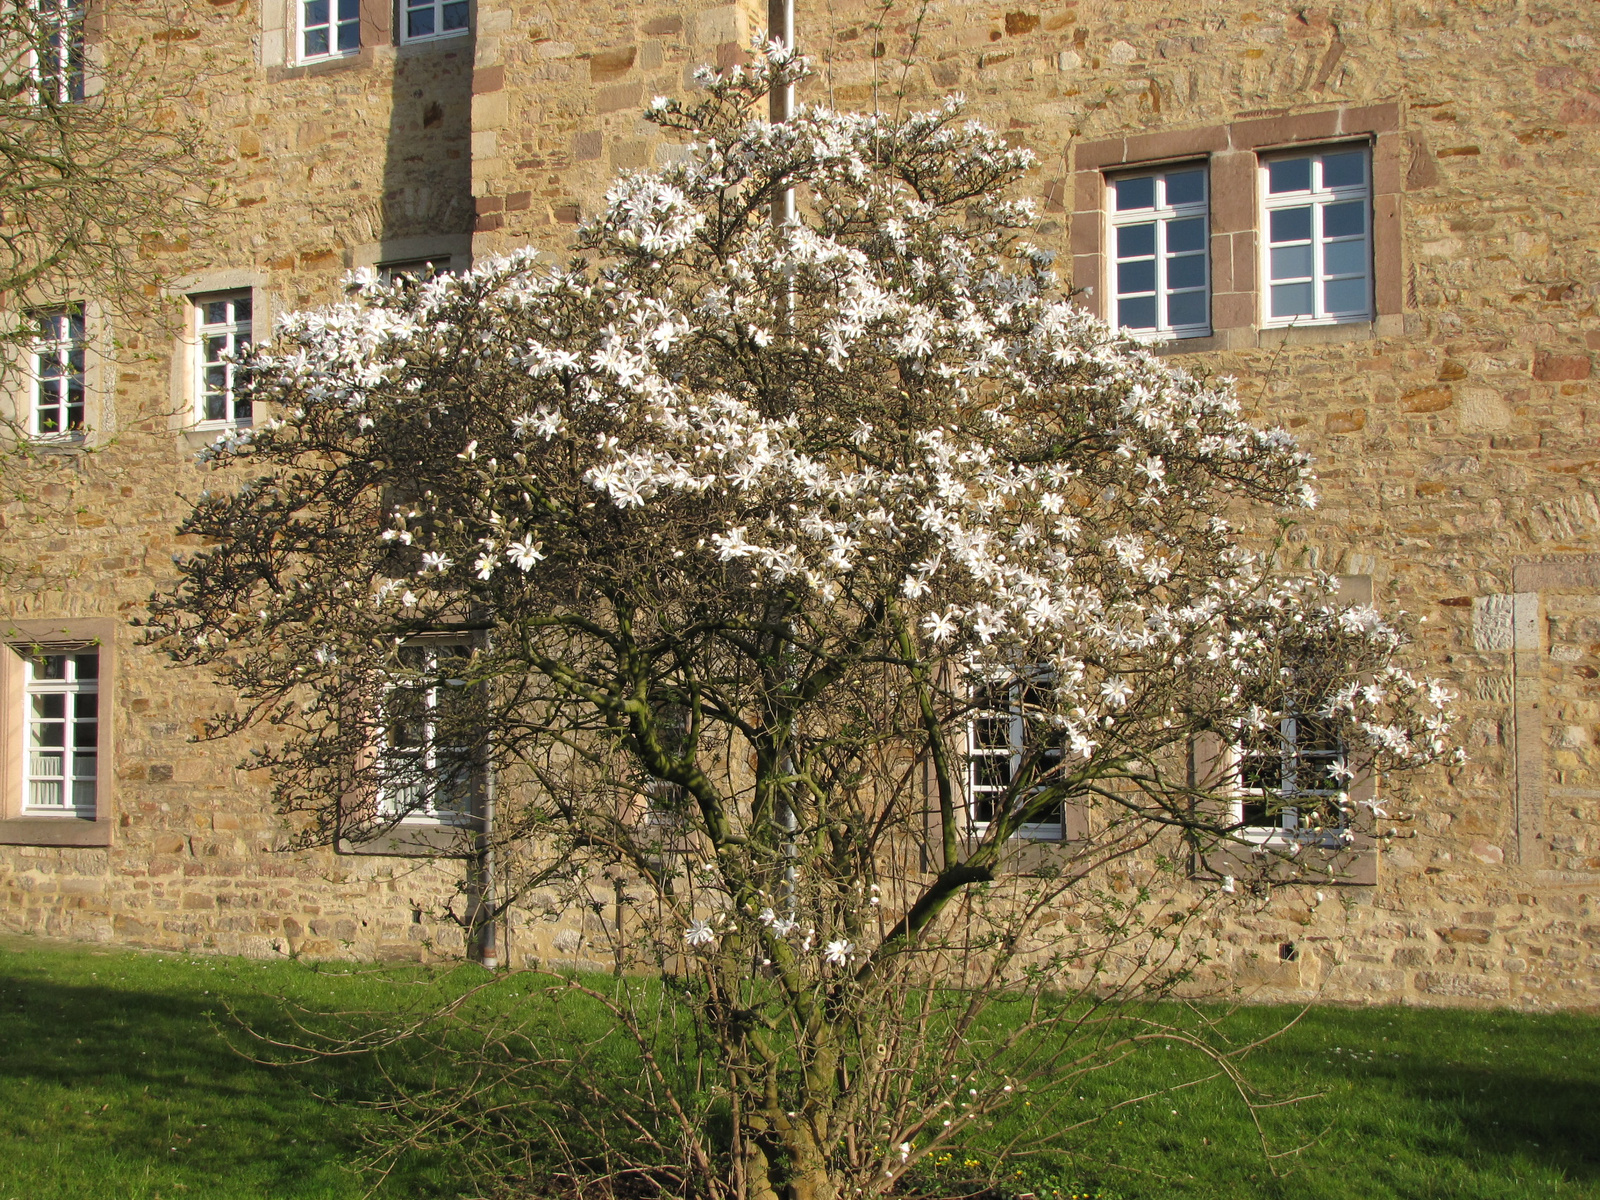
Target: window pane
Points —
{"points": [[1291, 262], [1345, 258], [349, 36], [1261, 771], [1186, 187], [1137, 313], [1136, 240], [1344, 220], [1186, 308], [406, 734], [1344, 170], [1184, 235], [87, 665], [1187, 271], [1269, 813], [1136, 276], [455, 15], [1136, 193], [1291, 299], [316, 42], [1288, 175], [992, 733], [50, 666], [86, 706], [349, 10], [1289, 225], [992, 772], [1314, 774], [316, 13], [216, 312], [1346, 296], [419, 22]]}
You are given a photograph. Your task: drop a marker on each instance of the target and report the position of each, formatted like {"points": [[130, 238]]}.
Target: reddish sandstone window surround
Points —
{"points": [[19, 640], [1232, 153]]}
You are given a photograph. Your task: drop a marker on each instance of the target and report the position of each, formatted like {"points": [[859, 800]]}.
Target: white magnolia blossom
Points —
{"points": [[838, 952], [699, 933]]}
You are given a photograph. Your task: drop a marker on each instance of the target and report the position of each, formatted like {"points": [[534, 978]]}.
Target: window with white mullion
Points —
{"points": [[58, 51], [426, 770], [1159, 253], [426, 19], [1318, 226], [61, 767], [1000, 745], [223, 333], [329, 28], [59, 354], [1289, 776]]}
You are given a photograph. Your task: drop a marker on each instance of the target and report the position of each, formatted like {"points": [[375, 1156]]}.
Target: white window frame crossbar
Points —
{"points": [[218, 343], [433, 14], [997, 739], [1167, 218], [423, 777], [1324, 252], [60, 354], [62, 751]]}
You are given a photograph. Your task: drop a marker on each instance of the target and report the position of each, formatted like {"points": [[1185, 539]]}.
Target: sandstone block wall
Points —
{"points": [[1456, 436]]}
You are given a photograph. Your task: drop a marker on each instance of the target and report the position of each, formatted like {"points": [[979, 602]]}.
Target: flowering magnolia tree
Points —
{"points": [[731, 548]]}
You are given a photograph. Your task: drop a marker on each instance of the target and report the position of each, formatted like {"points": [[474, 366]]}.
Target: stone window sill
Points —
{"points": [[1274, 337], [54, 831]]}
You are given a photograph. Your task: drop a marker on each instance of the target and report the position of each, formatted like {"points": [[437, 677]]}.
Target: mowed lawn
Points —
{"points": [[116, 1084]]}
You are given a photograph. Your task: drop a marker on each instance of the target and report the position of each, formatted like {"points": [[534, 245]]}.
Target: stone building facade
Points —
{"points": [[1446, 390]]}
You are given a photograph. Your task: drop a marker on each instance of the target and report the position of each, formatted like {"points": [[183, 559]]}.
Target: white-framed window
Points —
{"points": [[223, 324], [1317, 243], [57, 57], [1290, 775], [61, 690], [1160, 252], [421, 20], [1003, 742], [59, 352], [328, 28], [429, 763]]}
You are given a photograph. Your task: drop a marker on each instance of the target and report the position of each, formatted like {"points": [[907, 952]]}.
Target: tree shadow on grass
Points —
{"points": [[1484, 1099], [1507, 1112], [146, 1081]]}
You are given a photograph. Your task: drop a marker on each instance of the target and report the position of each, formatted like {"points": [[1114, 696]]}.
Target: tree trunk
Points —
{"points": [[808, 1173], [757, 1173]]}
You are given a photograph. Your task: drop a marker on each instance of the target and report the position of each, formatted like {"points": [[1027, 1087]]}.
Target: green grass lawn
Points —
{"points": [[115, 1083]]}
